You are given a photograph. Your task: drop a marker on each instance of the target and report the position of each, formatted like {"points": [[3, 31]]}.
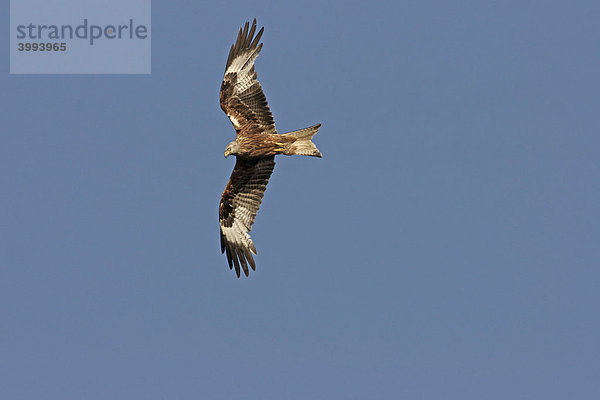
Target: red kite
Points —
{"points": [[255, 147]]}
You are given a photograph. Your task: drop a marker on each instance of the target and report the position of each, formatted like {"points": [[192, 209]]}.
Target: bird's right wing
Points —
{"points": [[239, 204]]}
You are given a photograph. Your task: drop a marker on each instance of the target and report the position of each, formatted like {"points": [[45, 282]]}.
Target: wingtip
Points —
{"points": [[249, 258], [229, 261]]}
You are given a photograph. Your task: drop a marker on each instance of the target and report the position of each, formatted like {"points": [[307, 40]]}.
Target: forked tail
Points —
{"points": [[302, 145]]}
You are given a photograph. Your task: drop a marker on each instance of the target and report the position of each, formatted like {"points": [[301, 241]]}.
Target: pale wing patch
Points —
{"points": [[234, 121], [243, 62], [237, 234]]}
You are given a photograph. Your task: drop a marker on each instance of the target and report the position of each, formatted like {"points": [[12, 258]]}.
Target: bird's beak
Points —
{"points": [[226, 153]]}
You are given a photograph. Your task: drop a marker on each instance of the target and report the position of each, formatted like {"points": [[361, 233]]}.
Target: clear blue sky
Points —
{"points": [[445, 247]]}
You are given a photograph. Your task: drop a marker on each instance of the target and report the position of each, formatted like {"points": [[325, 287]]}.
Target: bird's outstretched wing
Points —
{"points": [[242, 97], [239, 204]]}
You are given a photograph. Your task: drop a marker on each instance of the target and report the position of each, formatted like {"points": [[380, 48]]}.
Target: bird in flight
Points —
{"points": [[255, 146]]}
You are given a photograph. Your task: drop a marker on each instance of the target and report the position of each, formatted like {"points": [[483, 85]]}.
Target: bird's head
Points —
{"points": [[232, 148]]}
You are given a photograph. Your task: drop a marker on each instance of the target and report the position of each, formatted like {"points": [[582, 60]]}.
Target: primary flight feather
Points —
{"points": [[255, 146]]}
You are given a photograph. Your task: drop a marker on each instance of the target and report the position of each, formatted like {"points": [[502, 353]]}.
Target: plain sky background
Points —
{"points": [[445, 247]]}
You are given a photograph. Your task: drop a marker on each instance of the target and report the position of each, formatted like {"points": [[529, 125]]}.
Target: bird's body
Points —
{"points": [[255, 147], [268, 144]]}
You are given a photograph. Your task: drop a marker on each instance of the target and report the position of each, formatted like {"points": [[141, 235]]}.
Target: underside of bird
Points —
{"points": [[255, 147], [270, 144]]}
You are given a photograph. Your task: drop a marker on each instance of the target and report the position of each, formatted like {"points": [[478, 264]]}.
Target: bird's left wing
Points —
{"points": [[239, 204], [241, 96]]}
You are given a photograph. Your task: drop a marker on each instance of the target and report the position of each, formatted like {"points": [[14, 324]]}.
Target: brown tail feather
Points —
{"points": [[302, 145]]}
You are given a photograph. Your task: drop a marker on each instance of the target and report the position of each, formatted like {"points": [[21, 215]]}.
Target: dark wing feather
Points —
{"points": [[242, 97], [239, 204]]}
